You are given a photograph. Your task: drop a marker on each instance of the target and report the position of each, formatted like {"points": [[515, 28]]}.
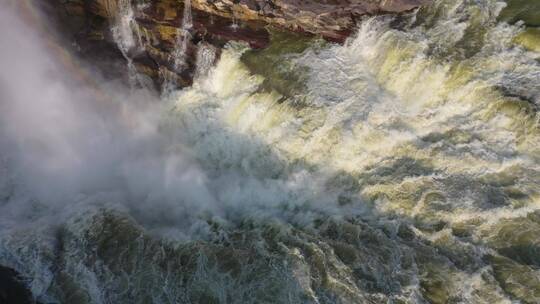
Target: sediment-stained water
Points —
{"points": [[401, 167]]}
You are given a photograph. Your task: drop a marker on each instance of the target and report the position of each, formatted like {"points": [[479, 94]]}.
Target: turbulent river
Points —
{"points": [[401, 167]]}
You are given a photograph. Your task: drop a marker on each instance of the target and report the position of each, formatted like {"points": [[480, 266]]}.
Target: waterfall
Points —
{"points": [[179, 53], [187, 21], [405, 170], [122, 31], [183, 35], [127, 37], [234, 25]]}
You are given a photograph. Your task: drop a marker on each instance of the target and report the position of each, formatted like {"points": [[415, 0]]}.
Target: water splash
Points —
{"points": [[205, 60]]}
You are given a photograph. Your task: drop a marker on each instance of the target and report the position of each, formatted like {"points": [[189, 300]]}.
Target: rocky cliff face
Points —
{"points": [[164, 39], [332, 19]]}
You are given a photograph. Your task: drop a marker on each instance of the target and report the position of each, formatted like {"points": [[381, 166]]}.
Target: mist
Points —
{"points": [[72, 141], [66, 144]]}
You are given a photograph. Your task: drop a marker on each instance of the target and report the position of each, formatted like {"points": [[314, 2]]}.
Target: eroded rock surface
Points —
{"points": [[162, 39], [332, 19]]}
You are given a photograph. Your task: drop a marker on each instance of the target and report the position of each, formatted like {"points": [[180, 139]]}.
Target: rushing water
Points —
{"points": [[124, 36], [183, 36], [405, 168], [127, 36]]}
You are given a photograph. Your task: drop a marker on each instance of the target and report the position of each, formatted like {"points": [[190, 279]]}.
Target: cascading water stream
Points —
{"points": [[123, 36], [183, 36], [127, 36], [234, 24], [178, 55]]}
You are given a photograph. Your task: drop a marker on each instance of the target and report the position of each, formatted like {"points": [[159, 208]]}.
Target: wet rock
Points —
{"points": [[165, 45], [332, 19]]}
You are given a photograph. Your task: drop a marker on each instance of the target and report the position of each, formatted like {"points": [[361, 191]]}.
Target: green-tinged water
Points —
{"points": [[529, 39], [527, 11], [401, 167]]}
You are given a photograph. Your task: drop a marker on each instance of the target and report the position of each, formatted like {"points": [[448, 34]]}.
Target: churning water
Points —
{"points": [[407, 170]]}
